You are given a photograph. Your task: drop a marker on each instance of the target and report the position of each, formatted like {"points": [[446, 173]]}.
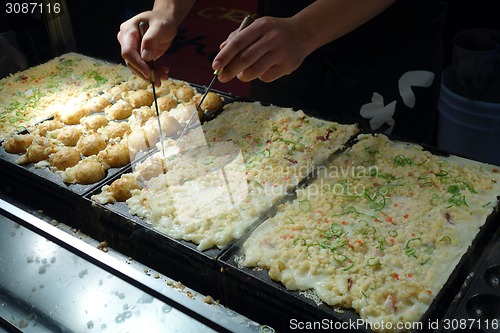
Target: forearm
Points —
{"points": [[177, 9], [326, 20]]}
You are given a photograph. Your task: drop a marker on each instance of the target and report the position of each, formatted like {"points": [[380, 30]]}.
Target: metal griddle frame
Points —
{"points": [[249, 291]]}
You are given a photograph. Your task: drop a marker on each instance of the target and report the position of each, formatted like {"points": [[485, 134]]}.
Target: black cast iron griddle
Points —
{"points": [[293, 307]]}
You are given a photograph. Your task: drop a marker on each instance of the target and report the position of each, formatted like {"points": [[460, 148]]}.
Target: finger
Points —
{"points": [[248, 61], [129, 41], [233, 47], [273, 73], [258, 68]]}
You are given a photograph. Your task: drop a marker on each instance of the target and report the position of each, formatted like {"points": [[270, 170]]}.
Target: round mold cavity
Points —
{"points": [[484, 307], [492, 277]]}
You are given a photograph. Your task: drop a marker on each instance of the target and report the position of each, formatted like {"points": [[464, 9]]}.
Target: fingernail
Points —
{"points": [[146, 55], [216, 65]]}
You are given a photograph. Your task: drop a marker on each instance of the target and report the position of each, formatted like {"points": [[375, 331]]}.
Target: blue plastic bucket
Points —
{"points": [[467, 127]]}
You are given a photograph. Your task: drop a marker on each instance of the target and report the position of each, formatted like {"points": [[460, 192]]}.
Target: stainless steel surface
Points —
{"points": [[143, 27], [51, 281]]}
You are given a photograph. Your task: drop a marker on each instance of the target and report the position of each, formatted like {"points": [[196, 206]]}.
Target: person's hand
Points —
{"points": [[267, 49], [156, 41]]}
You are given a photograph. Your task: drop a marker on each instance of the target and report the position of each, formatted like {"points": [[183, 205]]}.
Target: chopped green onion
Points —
{"points": [[402, 160], [304, 243], [374, 262], [446, 239], [305, 205], [410, 251]]}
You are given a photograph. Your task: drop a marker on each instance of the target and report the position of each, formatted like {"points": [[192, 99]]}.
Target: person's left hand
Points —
{"points": [[267, 49]]}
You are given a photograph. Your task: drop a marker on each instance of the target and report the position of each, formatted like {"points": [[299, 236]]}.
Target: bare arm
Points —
{"points": [[163, 21], [272, 47]]}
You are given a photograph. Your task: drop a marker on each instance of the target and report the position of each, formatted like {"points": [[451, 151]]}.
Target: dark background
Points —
{"points": [[96, 23]]}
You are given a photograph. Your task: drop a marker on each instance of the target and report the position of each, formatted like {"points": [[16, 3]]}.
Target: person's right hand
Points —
{"points": [[156, 41]]}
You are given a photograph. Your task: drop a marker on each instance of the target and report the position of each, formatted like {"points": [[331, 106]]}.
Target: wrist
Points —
{"points": [[175, 9]]}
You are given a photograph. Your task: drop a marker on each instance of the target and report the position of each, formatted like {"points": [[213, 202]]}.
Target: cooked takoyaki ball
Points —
{"points": [[140, 98], [212, 102], [69, 135], [136, 83], [184, 93], [46, 126], [165, 103], [39, 150], [91, 144], [137, 141], [169, 125], [115, 156], [164, 89], [94, 122], [150, 168], [121, 188], [64, 157], [98, 103], [72, 115], [116, 93], [120, 110], [141, 115], [17, 144], [87, 171], [115, 130]]}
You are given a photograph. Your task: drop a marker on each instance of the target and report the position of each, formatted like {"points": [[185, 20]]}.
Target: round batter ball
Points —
{"points": [[137, 141], [120, 110], [136, 83], [89, 171], [121, 188], [140, 98], [184, 93], [141, 115], [94, 122], [69, 135], [116, 130], [17, 144], [115, 156], [164, 89], [72, 116], [165, 103], [91, 144], [98, 103], [169, 125], [46, 126], [116, 93], [39, 150], [65, 157], [212, 102]]}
